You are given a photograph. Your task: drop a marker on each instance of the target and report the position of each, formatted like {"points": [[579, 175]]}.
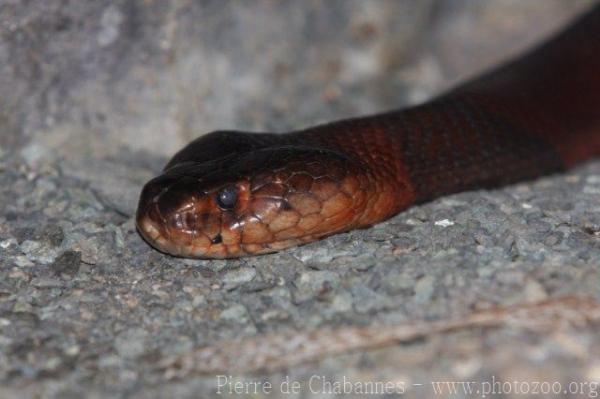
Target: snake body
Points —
{"points": [[230, 194]]}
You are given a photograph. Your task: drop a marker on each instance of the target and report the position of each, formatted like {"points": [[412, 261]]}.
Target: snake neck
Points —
{"points": [[537, 115]]}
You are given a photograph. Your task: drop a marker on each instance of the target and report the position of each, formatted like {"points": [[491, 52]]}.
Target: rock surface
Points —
{"points": [[94, 98]]}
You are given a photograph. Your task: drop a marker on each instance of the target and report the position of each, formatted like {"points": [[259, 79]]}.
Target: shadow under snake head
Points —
{"points": [[251, 203]]}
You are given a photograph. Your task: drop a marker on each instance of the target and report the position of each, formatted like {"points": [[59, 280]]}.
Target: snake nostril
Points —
{"points": [[217, 239], [147, 225], [149, 212]]}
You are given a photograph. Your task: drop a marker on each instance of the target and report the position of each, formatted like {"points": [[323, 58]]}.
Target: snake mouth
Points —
{"points": [[157, 236], [156, 232]]}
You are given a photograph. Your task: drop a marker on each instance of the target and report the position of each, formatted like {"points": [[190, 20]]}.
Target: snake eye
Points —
{"points": [[227, 197]]}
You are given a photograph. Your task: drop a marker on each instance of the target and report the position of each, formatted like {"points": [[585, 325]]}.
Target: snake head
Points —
{"points": [[252, 203]]}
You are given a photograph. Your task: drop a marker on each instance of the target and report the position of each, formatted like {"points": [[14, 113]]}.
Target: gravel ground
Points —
{"points": [[95, 96]]}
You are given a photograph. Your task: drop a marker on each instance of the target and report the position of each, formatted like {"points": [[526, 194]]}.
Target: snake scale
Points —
{"points": [[231, 194]]}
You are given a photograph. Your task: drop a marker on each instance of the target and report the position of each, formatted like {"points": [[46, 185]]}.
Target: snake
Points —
{"points": [[230, 194]]}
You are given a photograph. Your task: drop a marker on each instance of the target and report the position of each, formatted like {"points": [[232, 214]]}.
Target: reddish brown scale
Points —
{"points": [[533, 116]]}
